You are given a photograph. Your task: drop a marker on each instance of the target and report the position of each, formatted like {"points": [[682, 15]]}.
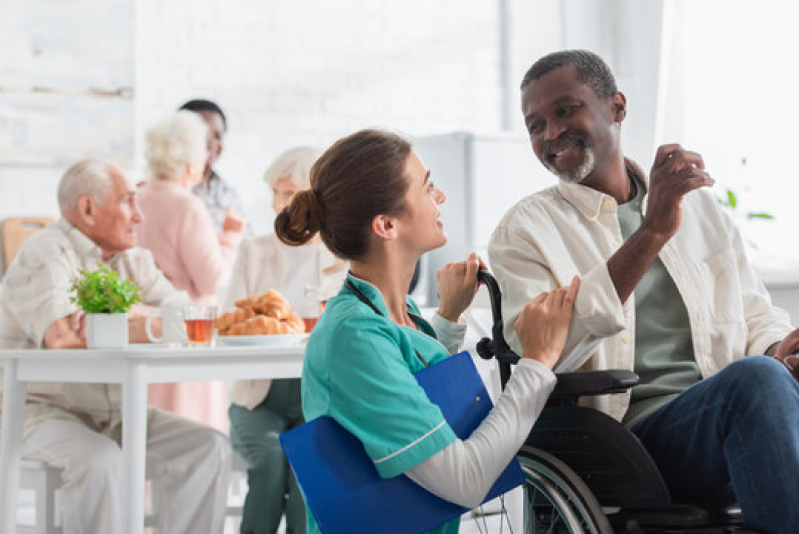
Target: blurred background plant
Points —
{"points": [[732, 202]]}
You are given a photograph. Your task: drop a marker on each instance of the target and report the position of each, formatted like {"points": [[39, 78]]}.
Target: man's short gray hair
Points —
{"points": [[294, 164], [86, 177], [175, 142]]}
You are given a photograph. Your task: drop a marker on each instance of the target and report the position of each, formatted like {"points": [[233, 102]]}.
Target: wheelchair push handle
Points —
{"points": [[570, 385]]}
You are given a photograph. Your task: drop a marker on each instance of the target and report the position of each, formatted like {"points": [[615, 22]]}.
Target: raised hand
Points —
{"points": [[675, 173], [233, 221], [543, 324], [457, 285]]}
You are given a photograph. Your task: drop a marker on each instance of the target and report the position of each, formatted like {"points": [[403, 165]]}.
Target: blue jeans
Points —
{"points": [[734, 435]]}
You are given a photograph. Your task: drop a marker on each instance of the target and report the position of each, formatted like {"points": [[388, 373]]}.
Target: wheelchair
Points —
{"points": [[584, 471]]}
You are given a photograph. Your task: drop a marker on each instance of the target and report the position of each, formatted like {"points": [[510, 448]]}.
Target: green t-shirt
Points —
{"points": [[358, 369], [664, 352]]}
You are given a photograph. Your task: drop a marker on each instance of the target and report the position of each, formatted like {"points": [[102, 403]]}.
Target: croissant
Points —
{"points": [[267, 313], [226, 320], [262, 324], [271, 304]]}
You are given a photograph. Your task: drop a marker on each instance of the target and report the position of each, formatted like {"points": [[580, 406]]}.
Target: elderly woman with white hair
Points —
{"points": [[176, 226], [178, 230], [263, 409]]}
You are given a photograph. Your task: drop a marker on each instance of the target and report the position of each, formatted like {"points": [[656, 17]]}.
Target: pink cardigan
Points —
{"points": [[178, 230]]}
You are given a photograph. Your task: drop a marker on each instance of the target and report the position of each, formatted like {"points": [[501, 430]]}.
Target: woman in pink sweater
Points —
{"points": [[176, 226], [178, 230]]}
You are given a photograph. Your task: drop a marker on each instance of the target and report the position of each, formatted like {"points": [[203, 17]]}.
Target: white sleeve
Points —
{"points": [[523, 272], [448, 333], [464, 471]]}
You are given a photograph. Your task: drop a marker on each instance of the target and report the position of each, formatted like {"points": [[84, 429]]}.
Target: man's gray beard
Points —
{"points": [[579, 174]]}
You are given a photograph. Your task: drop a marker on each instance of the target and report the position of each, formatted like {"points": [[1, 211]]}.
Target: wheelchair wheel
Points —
{"points": [[556, 499]]}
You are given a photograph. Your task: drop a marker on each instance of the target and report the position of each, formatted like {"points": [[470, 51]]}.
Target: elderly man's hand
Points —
{"points": [[67, 332], [675, 173], [786, 352]]}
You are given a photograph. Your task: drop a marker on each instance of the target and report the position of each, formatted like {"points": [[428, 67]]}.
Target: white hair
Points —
{"points": [[174, 143], [86, 177], [294, 164]]}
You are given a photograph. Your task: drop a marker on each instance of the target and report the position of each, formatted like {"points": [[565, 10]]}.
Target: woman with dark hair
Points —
{"points": [[372, 202], [220, 198]]}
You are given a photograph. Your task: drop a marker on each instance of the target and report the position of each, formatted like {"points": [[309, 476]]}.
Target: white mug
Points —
{"points": [[172, 329]]}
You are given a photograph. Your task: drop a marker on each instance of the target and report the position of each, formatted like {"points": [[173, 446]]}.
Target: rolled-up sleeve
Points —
{"points": [[524, 271]]}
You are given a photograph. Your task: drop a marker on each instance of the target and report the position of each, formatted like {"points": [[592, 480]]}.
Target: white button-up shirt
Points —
{"points": [[569, 229], [36, 292]]}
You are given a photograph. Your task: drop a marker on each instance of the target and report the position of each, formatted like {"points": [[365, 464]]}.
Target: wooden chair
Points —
{"points": [[15, 230]]}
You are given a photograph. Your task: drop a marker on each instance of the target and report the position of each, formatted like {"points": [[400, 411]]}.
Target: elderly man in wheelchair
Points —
{"points": [[667, 292]]}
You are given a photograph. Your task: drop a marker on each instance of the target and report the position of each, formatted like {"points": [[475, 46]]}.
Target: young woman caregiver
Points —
{"points": [[263, 409], [374, 204]]}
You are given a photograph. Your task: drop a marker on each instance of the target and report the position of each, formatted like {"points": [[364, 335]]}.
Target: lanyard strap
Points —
{"points": [[363, 298]]}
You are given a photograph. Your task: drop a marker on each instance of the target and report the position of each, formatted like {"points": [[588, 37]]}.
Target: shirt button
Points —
{"points": [[616, 244], [608, 204], [626, 340]]}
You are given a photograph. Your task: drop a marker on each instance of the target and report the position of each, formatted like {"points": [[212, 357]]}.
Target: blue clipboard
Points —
{"points": [[339, 480]]}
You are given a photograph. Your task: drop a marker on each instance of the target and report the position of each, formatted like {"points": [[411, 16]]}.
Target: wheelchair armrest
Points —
{"points": [[594, 383]]}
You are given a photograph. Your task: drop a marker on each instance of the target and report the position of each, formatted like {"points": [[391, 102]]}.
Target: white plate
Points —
{"points": [[272, 340]]}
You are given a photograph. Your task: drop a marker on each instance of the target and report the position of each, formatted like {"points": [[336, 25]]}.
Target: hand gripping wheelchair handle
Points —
{"points": [[570, 386]]}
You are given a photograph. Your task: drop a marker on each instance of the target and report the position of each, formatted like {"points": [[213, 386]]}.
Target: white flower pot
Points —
{"points": [[106, 330]]}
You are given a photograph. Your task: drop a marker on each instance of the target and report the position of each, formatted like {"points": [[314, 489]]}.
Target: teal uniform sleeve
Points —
{"points": [[375, 396]]}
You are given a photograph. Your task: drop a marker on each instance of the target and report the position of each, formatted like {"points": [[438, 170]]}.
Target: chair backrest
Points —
{"points": [[15, 230]]}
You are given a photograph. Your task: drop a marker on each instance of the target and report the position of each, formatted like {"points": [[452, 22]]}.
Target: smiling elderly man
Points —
{"points": [[666, 291], [77, 427]]}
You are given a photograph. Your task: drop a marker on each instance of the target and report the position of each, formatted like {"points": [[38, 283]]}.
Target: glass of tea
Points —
{"points": [[310, 312], [199, 322]]}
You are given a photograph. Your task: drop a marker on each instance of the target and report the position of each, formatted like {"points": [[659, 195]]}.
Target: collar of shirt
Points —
{"points": [[589, 201], [86, 249], [371, 292]]}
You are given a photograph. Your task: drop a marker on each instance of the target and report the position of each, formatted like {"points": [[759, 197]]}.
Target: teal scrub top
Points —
{"points": [[358, 369]]}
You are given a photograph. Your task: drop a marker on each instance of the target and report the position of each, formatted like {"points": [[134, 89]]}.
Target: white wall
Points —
{"points": [[308, 71]]}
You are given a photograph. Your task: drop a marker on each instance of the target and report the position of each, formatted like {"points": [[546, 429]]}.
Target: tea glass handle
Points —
{"points": [[148, 327]]}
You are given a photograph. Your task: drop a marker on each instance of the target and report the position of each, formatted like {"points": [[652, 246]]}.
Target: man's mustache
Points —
{"points": [[564, 140]]}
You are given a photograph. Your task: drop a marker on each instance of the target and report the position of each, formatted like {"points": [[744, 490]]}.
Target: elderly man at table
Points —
{"points": [[77, 427]]}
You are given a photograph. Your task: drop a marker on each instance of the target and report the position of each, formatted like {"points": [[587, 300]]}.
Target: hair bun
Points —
{"points": [[301, 220]]}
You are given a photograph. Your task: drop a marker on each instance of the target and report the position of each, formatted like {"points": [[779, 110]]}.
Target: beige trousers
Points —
{"points": [[191, 460]]}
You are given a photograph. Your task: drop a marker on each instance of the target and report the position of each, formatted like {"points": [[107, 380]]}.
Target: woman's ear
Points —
{"points": [[384, 227]]}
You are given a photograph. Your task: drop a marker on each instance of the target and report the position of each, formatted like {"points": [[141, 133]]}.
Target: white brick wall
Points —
{"points": [[309, 71], [300, 72]]}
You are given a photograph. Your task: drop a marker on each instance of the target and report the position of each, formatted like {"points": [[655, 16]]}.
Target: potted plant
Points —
{"points": [[105, 299]]}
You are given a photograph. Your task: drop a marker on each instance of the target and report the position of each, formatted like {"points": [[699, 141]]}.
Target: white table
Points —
{"points": [[134, 368]]}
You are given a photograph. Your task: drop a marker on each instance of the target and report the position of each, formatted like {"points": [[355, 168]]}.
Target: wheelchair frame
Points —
{"points": [[576, 458]]}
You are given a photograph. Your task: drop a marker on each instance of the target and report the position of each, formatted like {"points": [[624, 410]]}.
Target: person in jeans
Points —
{"points": [[667, 291]]}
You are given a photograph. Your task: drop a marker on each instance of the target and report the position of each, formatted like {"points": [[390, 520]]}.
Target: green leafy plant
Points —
{"points": [[730, 201], [102, 291]]}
